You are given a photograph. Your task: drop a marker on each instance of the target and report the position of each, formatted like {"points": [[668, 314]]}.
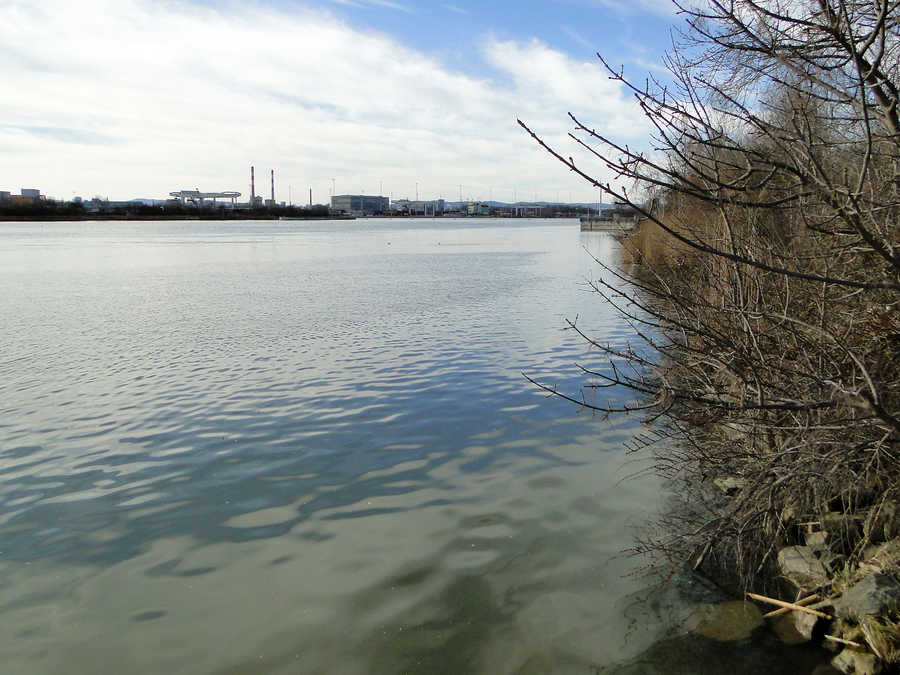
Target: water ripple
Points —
{"points": [[246, 433]]}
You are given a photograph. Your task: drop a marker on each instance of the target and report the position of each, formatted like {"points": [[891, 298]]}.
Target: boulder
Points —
{"points": [[800, 566], [796, 627], [804, 624], [882, 557], [857, 662], [728, 621], [873, 595]]}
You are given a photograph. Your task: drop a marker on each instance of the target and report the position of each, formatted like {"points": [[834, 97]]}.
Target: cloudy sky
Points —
{"points": [[136, 98]]}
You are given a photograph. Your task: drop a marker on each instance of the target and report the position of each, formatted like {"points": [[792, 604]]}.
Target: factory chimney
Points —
{"points": [[273, 187], [252, 187]]}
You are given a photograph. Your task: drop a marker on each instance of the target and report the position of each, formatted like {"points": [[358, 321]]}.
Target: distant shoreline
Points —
{"points": [[47, 218], [153, 217]]}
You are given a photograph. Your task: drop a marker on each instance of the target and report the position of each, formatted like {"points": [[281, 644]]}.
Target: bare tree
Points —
{"points": [[769, 326]]}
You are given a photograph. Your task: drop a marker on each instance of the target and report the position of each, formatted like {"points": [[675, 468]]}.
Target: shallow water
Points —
{"points": [[263, 447]]}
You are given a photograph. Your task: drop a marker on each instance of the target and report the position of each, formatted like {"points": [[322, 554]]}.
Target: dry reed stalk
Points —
{"points": [[784, 610], [788, 605]]}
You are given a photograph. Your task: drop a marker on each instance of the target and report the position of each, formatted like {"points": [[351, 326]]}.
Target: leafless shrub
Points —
{"points": [[771, 318]]}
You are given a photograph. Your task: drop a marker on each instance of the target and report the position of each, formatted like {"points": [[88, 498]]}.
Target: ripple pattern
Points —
{"points": [[260, 448]]}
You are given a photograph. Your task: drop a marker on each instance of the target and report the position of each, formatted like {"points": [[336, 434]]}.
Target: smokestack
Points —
{"points": [[252, 186], [310, 196], [273, 186]]}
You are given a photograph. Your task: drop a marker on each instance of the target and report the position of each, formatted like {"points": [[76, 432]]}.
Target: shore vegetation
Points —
{"points": [[764, 288]]}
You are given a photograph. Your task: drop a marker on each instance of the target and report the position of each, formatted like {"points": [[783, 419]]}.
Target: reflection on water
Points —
{"points": [[272, 448]]}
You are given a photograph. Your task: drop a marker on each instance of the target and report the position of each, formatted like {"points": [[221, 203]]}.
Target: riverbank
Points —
{"points": [[766, 302], [794, 506], [845, 603]]}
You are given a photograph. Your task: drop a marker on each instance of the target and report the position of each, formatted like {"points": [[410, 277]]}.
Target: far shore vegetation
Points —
{"points": [[51, 210]]}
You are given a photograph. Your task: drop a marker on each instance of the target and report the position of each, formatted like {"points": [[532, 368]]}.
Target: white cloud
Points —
{"points": [[137, 98]]}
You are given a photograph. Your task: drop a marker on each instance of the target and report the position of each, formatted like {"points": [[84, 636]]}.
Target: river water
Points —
{"points": [[308, 447]]}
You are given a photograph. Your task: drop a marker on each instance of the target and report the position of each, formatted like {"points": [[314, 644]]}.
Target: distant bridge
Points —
{"points": [[197, 197]]}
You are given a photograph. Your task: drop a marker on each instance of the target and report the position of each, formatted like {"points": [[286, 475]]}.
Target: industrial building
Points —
{"points": [[360, 205], [433, 207], [198, 198], [27, 196]]}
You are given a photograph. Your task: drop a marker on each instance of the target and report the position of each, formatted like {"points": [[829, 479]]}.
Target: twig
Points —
{"points": [[784, 610], [788, 605], [849, 643]]}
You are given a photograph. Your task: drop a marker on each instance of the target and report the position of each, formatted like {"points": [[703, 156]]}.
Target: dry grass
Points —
{"points": [[883, 637], [790, 385], [651, 245]]}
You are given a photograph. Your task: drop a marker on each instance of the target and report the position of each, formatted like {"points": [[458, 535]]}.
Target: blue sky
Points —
{"points": [[632, 33], [624, 31], [136, 98]]}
